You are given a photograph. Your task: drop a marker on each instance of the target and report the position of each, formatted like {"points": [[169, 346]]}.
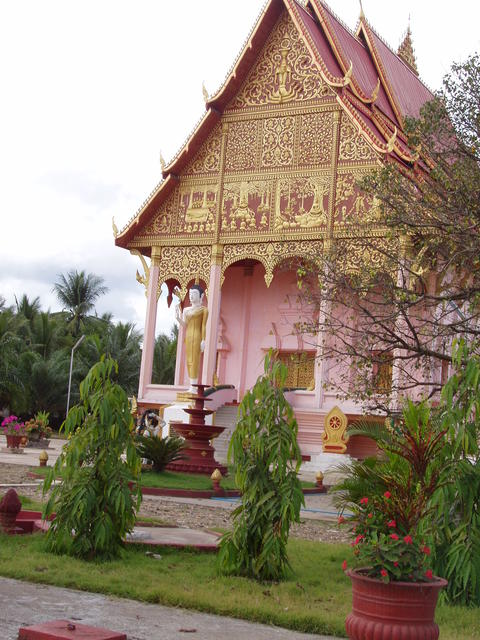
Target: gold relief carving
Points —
{"points": [[185, 264], [207, 159], [271, 254], [353, 145], [284, 71], [161, 223], [246, 206], [278, 141], [315, 145], [301, 202], [351, 205], [241, 146], [196, 213], [357, 255]]}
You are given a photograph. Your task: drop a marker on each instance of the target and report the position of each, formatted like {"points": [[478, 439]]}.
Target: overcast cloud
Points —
{"points": [[93, 90]]}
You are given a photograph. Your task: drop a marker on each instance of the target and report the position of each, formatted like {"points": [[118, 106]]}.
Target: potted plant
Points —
{"points": [[394, 590], [38, 430], [14, 431]]}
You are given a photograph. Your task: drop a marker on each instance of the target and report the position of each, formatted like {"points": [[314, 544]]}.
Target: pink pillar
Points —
{"points": [[246, 308], [149, 333], [214, 295], [180, 361], [320, 363]]}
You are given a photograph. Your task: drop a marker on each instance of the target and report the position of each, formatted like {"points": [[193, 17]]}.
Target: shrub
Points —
{"points": [[94, 504], [267, 459], [160, 451]]}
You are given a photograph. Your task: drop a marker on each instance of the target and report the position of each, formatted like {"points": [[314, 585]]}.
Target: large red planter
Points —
{"points": [[13, 442], [393, 611]]}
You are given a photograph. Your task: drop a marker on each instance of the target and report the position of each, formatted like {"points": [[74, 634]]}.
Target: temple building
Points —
{"points": [[269, 175]]}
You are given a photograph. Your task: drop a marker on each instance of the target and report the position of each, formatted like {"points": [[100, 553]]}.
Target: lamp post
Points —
{"points": [[77, 344]]}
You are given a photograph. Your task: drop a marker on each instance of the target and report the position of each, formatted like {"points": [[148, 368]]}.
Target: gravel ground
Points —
{"points": [[180, 514]]}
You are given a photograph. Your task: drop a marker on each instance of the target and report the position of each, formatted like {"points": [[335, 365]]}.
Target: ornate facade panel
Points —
{"points": [[196, 209], [241, 146], [316, 138], [284, 71], [163, 222], [271, 254], [185, 264], [278, 141], [207, 160], [353, 146], [301, 202], [352, 206], [247, 205], [356, 255]]}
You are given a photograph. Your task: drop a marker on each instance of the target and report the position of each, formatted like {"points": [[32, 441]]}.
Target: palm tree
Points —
{"points": [[164, 357], [77, 292]]}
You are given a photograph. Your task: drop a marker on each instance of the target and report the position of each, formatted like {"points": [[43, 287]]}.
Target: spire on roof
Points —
{"points": [[406, 51], [362, 14]]}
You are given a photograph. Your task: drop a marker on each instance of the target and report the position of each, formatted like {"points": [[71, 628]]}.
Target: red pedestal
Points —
{"points": [[199, 452], [66, 630]]}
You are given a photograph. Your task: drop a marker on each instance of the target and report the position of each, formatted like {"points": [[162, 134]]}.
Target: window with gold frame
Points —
{"points": [[301, 368]]}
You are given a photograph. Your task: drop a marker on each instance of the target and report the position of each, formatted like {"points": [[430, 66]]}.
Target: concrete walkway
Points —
{"points": [[25, 604]]}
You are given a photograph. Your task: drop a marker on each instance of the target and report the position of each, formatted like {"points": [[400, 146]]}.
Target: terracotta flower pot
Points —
{"points": [[13, 442], [393, 611]]}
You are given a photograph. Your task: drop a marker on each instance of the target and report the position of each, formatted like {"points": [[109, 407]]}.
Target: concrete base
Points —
{"points": [[16, 451], [175, 413], [66, 630], [325, 462]]}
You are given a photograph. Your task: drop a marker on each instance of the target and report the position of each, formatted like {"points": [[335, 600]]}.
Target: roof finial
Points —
{"points": [[162, 162], [406, 51], [205, 93], [362, 15]]}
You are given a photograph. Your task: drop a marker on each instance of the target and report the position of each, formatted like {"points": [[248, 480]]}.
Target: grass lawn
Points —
{"points": [[175, 480], [315, 598]]}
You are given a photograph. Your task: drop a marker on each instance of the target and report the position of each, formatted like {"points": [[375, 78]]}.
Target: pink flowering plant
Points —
{"points": [[12, 426], [392, 522]]}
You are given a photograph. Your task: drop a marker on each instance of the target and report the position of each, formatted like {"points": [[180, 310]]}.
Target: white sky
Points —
{"points": [[94, 89]]}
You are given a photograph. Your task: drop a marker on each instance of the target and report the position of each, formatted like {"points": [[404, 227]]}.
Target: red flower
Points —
{"points": [[387, 495], [384, 573], [394, 536], [392, 524], [395, 564], [358, 538], [370, 515], [364, 501], [344, 565], [341, 520], [408, 540], [426, 550], [429, 574]]}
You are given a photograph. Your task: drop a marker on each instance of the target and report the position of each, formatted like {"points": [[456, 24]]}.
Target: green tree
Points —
{"points": [[164, 357], [457, 552], [94, 499], [267, 460], [413, 283], [77, 292]]}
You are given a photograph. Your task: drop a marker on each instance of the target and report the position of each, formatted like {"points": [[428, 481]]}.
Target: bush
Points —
{"points": [[94, 504], [267, 459], [160, 451]]}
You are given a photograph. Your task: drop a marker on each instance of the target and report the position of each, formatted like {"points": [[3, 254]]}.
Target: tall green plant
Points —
{"points": [[94, 504], [267, 459], [457, 552]]}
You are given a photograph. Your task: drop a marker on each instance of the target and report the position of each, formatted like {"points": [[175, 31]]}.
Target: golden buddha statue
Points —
{"points": [[194, 319]]}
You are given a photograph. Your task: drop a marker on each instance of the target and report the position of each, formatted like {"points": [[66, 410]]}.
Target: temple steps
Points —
{"points": [[225, 416]]}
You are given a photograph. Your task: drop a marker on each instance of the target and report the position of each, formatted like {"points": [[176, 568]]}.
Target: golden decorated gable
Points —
{"points": [[353, 146], [207, 160], [284, 71]]}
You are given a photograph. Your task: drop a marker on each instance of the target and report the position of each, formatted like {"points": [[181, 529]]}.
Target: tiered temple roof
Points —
{"points": [[376, 87]]}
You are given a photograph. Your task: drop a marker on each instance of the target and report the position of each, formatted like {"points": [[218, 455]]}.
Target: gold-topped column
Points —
{"points": [[146, 366], [214, 296]]}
